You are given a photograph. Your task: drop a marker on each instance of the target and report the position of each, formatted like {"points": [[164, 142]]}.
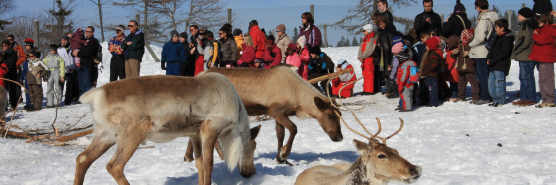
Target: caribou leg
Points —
{"points": [[209, 138], [101, 143], [280, 132], [195, 143], [285, 151], [189, 152]]}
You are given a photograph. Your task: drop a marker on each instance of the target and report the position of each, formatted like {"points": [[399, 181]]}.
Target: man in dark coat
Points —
{"points": [[383, 7], [457, 22], [320, 64], [10, 59], [194, 31], [87, 55], [428, 20]]}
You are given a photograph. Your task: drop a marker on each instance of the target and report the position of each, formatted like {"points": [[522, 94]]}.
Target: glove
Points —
{"points": [[163, 65], [272, 54], [313, 62]]}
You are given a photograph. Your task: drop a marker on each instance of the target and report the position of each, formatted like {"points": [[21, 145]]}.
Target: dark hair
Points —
{"points": [[136, 23], [384, 2], [227, 32], [380, 19], [545, 18], [309, 17], [92, 28], [10, 35], [502, 23], [428, 1], [424, 34], [194, 26], [483, 4], [208, 34], [7, 42], [228, 26]]}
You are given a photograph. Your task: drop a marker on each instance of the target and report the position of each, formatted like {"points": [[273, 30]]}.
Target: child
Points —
{"points": [[544, 51], [451, 74], [340, 85], [57, 68], [292, 58], [391, 88], [420, 48], [466, 67], [430, 69], [37, 70], [77, 41], [305, 57], [405, 87], [498, 61], [248, 53]]}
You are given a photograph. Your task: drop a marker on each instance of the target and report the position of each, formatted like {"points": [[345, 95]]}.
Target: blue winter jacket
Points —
{"points": [[174, 52]]}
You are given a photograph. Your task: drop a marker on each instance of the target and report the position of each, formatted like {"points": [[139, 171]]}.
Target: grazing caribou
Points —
{"points": [[161, 108], [280, 92], [377, 165]]}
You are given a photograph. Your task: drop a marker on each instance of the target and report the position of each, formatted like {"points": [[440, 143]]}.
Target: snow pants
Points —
{"points": [[173, 68], [368, 75], [54, 88], [406, 97], [199, 65]]}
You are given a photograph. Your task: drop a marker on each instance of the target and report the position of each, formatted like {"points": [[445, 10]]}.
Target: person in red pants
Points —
{"points": [[343, 80], [365, 57]]}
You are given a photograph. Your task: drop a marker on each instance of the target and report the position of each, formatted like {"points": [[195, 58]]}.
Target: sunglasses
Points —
{"points": [[4, 45], [31, 56], [52, 50], [278, 31], [88, 31], [130, 26], [302, 17], [11, 39], [221, 33], [268, 42]]}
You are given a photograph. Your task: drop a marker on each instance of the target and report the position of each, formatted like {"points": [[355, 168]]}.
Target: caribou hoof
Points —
{"points": [[187, 159], [283, 161]]}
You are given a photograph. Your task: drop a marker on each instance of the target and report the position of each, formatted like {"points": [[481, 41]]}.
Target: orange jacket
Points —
{"points": [[21, 56]]}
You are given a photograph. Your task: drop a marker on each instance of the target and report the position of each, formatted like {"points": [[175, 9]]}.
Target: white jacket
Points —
{"points": [[482, 32], [70, 64]]}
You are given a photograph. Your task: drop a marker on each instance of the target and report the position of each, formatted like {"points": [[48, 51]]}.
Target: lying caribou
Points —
{"points": [[280, 92], [377, 165], [161, 108]]}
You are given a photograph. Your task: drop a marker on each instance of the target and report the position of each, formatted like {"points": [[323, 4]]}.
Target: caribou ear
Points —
{"points": [[361, 146], [320, 104], [255, 132]]}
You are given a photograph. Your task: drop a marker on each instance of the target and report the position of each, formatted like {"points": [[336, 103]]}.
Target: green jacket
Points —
{"points": [[55, 62], [137, 48], [524, 40]]}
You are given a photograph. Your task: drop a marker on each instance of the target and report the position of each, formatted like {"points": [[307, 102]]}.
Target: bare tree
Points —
{"points": [[152, 25], [169, 9], [5, 7], [360, 15], [208, 12], [99, 4]]}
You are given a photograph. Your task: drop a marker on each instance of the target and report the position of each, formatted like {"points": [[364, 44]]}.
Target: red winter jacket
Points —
{"points": [[248, 55], [304, 68], [259, 41], [3, 71], [451, 74], [544, 49], [337, 84], [404, 74], [276, 60]]}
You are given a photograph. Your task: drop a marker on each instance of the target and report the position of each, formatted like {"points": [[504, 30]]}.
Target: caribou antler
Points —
{"points": [[372, 135], [384, 139], [340, 95]]}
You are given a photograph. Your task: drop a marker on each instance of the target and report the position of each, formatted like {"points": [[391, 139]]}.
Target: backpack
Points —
{"points": [[490, 40], [216, 54], [98, 57], [413, 74]]}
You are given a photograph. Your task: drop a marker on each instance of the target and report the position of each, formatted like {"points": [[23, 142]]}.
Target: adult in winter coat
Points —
{"points": [[428, 20], [134, 46], [37, 71], [451, 74], [523, 46], [185, 43], [72, 88], [383, 7], [365, 56], [305, 56], [499, 62], [117, 62], [21, 57], [229, 48], [466, 67], [320, 65], [56, 78], [544, 51], [273, 54], [3, 71], [87, 55], [309, 30], [193, 53], [340, 85], [282, 41], [174, 55], [542, 7], [385, 42], [10, 59], [248, 56], [430, 68], [478, 50], [259, 38], [457, 22], [238, 37]]}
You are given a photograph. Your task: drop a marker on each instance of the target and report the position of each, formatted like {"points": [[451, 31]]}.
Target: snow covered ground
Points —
{"points": [[456, 143]]}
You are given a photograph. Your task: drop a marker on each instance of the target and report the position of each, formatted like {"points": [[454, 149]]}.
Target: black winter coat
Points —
{"points": [[10, 58], [421, 24], [500, 55], [455, 26], [322, 65], [89, 52], [384, 41], [389, 18]]}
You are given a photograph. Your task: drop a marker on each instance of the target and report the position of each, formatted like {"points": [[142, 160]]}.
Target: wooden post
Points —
{"points": [[522, 5], [229, 16], [510, 19], [442, 17], [313, 10], [325, 43], [36, 30]]}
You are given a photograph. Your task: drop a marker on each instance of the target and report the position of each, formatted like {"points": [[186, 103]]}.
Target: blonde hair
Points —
{"points": [[247, 40]]}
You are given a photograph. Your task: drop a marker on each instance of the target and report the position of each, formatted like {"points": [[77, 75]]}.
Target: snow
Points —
{"points": [[455, 143]]}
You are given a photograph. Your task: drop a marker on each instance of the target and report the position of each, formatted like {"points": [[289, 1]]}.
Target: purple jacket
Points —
{"points": [[312, 34]]}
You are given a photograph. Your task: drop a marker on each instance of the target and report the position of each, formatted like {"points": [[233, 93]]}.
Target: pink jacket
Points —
{"points": [[304, 67]]}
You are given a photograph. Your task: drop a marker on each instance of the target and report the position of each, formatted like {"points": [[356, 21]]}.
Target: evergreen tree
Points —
{"points": [[473, 21], [497, 10], [294, 36], [342, 42], [354, 42]]}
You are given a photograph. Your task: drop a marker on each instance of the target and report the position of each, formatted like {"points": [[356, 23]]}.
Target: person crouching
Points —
{"points": [[37, 70], [340, 85], [56, 79]]}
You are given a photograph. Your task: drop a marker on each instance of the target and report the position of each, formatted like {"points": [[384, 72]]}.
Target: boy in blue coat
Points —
{"points": [[173, 55]]}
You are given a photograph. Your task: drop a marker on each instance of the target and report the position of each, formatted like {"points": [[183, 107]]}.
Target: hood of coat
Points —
{"points": [[490, 15]]}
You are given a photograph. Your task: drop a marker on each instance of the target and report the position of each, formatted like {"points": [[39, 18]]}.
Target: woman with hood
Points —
{"points": [[309, 30], [457, 22]]}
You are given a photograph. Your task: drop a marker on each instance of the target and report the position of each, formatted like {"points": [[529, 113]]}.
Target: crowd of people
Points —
{"points": [[430, 64]]}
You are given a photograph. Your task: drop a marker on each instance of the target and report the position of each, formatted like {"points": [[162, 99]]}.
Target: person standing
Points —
{"points": [[499, 62], [248, 56], [117, 62], [29, 45], [55, 78], [238, 37], [522, 48], [87, 55], [282, 41], [259, 38], [478, 50], [37, 71], [229, 48], [21, 57], [544, 51], [173, 55], [428, 20], [183, 40], [383, 7], [365, 56], [457, 22], [71, 78], [430, 69], [134, 47], [193, 53], [309, 30], [10, 59], [466, 68]]}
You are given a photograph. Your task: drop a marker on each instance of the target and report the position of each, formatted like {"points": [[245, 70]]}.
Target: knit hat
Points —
{"points": [[432, 43], [183, 35], [397, 39], [270, 37], [292, 46], [397, 48], [65, 37], [302, 41], [342, 63], [525, 12], [35, 53], [203, 28], [452, 42], [280, 27], [369, 28], [174, 33], [315, 50], [120, 27], [466, 36], [237, 32], [403, 56], [542, 7], [253, 22], [408, 38], [459, 7], [30, 42]]}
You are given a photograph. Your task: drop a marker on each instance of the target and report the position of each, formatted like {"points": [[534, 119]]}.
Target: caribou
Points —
{"points": [[280, 92], [377, 164], [161, 108]]}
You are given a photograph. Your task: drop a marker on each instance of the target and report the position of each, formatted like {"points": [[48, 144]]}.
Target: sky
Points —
{"points": [[269, 13]]}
